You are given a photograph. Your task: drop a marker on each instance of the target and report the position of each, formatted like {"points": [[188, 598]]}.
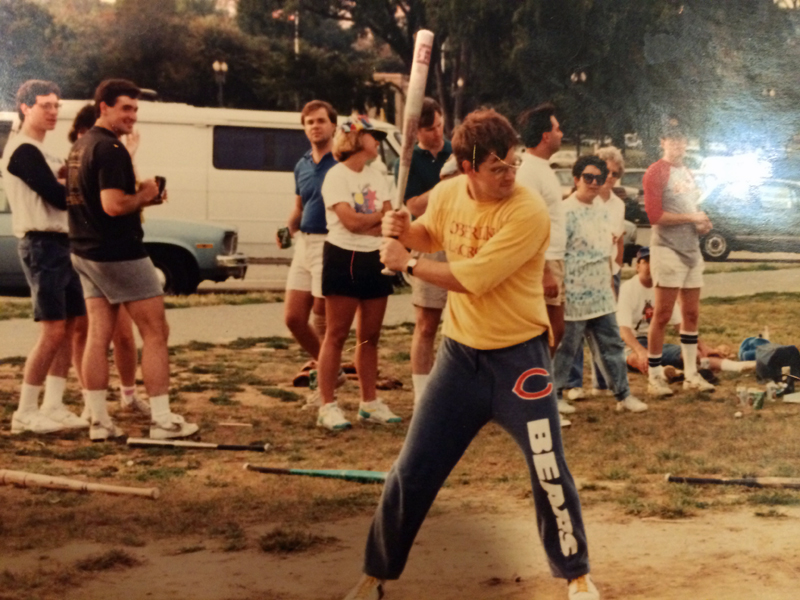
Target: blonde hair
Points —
{"points": [[613, 154], [346, 143]]}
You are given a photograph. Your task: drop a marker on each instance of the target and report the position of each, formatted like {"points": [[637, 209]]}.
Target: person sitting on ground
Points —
{"points": [[589, 308], [634, 314], [356, 195]]}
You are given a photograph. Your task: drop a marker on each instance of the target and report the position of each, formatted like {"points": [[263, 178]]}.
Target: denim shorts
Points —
{"points": [[55, 287]]}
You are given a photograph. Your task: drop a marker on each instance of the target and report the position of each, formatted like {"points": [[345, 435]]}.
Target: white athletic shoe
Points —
{"points": [[583, 588], [35, 422], [564, 422], [631, 403], [331, 417], [658, 387], [368, 588], [696, 382], [68, 419], [377, 412], [313, 400], [171, 426], [565, 408], [134, 404], [598, 393], [100, 431], [575, 394]]}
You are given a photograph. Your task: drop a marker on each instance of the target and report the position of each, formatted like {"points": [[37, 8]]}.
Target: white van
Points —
{"points": [[229, 166]]}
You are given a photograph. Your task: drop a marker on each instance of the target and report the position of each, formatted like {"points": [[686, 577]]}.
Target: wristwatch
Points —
{"points": [[412, 262]]}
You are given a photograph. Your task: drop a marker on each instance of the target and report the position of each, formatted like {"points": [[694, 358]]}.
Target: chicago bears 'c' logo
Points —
{"points": [[538, 378]]}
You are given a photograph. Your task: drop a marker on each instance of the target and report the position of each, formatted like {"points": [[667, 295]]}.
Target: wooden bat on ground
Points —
{"points": [[417, 80], [791, 483], [23, 479], [348, 475], [148, 443]]}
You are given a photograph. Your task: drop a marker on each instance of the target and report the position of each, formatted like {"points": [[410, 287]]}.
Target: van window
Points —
{"points": [[258, 148]]}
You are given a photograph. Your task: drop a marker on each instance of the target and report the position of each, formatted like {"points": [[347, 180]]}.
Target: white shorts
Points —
{"points": [[669, 271], [424, 294], [305, 274]]}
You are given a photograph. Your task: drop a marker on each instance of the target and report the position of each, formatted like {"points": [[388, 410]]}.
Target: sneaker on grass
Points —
{"points": [[583, 588], [313, 400], [171, 426], [68, 420], [575, 394], [631, 403], [100, 431], [564, 422], [658, 387], [565, 408], [377, 412], [134, 404], [368, 588], [601, 392], [696, 382], [35, 422], [331, 417]]}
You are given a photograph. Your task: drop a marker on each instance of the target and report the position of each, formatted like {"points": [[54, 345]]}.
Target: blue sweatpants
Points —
{"points": [[467, 389]]}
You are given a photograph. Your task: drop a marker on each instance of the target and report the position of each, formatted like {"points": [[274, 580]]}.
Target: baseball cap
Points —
{"points": [[644, 252], [361, 123]]}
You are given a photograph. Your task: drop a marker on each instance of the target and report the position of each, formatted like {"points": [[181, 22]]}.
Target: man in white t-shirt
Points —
{"points": [[541, 134]]}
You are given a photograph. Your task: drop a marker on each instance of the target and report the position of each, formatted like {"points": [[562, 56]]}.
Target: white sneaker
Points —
{"points": [[658, 387], [313, 400], [100, 431], [576, 394], [631, 403], [565, 408], [171, 426], [598, 393], [68, 419], [564, 422], [368, 588], [135, 404], [35, 422], [583, 588], [331, 417], [377, 412], [696, 382]]}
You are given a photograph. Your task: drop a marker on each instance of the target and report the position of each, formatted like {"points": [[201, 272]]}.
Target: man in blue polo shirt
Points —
{"points": [[430, 154], [308, 228]]}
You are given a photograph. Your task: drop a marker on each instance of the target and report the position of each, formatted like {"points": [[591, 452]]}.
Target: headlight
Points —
{"points": [[230, 243]]}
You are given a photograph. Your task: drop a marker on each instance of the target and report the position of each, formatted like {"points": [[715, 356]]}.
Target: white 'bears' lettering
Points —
{"points": [[546, 467]]}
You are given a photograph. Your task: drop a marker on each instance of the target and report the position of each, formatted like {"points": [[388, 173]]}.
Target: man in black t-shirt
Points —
{"points": [[107, 251]]}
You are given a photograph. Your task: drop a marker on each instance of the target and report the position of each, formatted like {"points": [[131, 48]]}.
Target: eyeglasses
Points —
{"points": [[590, 179], [49, 105]]}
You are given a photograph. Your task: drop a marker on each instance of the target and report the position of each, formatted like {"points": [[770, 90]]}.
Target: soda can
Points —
{"points": [[772, 391], [285, 237], [744, 397], [312, 379], [757, 396]]}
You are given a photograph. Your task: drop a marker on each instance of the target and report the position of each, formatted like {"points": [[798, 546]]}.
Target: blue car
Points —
{"points": [[183, 252]]}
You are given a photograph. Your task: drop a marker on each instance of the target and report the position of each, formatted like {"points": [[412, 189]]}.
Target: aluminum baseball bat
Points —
{"points": [[346, 474], [148, 443]]}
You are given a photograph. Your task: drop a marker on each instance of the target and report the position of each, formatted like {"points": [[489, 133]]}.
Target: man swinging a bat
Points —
{"points": [[493, 362]]}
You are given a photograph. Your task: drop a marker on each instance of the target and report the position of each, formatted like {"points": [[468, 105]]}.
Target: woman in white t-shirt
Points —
{"points": [[356, 196]]}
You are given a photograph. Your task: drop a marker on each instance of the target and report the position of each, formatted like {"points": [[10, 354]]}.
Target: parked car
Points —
{"points": [[183, 252], [761, 216], [566, 181], [563, 158]]}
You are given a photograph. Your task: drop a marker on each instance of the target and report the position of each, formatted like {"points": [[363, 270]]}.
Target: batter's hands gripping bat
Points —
{"points": [[348, 475], [24, 479], [423, 46], [147, 442], [791, 483]]}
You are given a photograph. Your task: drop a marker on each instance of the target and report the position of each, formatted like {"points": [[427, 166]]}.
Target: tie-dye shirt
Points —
{"points": [[587, 265]]}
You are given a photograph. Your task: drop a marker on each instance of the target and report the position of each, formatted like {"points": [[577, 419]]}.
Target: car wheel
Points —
{"points": [[715, 246], [175, 271]]}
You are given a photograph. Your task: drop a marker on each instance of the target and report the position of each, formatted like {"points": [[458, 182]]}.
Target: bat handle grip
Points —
{"points": [[386, 270]]}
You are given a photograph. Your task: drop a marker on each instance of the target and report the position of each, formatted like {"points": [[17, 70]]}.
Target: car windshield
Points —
{"points": [[633, 179], [564, 176]]}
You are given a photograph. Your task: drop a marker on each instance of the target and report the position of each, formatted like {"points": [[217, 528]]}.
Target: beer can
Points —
{"points": [[285, 237], [312, 380]]}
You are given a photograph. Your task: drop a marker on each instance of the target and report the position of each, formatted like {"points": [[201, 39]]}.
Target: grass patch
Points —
{"points": [[10, 309], [113, 559], [195, 300], [223, 400], [281, 394], [771, 514], [282, 541], [775, 498], [276, 342]]}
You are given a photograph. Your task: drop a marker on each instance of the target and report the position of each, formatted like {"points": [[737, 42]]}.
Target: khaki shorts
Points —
{"points": [[424, 294], [305, 274], [669, 271], [556, 270]]}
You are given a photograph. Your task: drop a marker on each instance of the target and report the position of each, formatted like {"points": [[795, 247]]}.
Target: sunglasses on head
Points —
{"points": [[589, 178]]}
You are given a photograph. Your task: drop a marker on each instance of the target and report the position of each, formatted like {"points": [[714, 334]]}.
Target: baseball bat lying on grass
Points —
{"points": [[791, 483], [148, 443], [23, 479], [348, 475]]}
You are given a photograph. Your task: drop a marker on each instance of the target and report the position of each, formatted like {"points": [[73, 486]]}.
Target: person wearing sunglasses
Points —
{"points": [[590, 305]]}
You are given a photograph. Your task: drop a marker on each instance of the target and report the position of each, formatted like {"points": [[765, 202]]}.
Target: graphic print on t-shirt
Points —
{"points": [[365, 200], [647, 314]]}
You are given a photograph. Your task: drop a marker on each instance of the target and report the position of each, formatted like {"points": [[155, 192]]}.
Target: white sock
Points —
{"points": [[733, 365], [97, 406], [159, 406], [29, 398], [54, 392], [127, 393], [655, 368], [87, 408], [689, 353], [420, 381]]}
